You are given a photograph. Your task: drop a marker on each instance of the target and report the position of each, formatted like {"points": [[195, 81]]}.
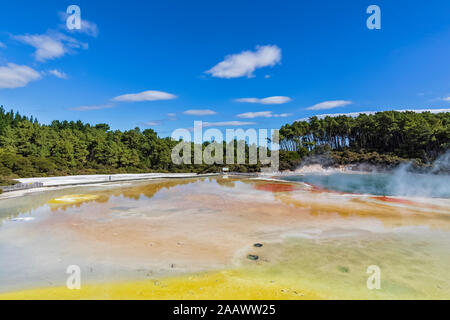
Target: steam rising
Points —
{"points": [[434, 182], [403, 181]]}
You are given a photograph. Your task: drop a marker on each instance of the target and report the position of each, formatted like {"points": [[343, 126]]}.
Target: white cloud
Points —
{"points": [[51, 45], [134, 97], [262, 114], [2, 45], [246, 62], [282, 115], [268, 100], [200, 112], [227, 124], [46, 46], [87, 27], [329, 105], [152, 123], [248, 100], [94, 107], [15, 76], [446, 99], [355, 114], [149, 95], [58, 74], [251, 115], [171, 114]]}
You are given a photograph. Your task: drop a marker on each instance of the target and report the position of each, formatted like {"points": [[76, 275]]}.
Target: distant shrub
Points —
{"points": [[6, 181]]}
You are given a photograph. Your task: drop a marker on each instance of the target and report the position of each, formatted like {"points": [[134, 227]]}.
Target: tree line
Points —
{"points": [[406, 134], [29, 148]]}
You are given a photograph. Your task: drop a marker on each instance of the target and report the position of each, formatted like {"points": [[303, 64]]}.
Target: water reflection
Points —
{"points": [[12, 208]]}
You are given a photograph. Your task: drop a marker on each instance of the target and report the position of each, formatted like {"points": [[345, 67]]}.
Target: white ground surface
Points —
{"points": [[86, 179], [52, 183]]}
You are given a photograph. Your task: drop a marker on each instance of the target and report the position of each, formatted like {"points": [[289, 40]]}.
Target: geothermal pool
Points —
{"points": [[398, 183], [216, 238]]}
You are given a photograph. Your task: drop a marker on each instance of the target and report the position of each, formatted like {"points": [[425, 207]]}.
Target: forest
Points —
{"points": [[387, 137], [29, 148]]}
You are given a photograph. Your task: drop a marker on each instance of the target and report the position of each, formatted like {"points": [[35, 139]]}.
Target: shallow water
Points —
{"points": [[313, 240], [390, 184]]}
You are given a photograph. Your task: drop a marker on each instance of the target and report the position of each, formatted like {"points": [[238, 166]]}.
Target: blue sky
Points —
{"points": [[164, 64]]}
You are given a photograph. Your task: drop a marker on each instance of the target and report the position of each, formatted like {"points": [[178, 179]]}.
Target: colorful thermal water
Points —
{"points": [[195, 239], [397, 183]]}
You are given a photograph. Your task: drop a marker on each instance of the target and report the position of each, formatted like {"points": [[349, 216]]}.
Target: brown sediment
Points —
{"points": [[389, 213], [407, 202], [395, 200], [275, 187], [318, 189]]}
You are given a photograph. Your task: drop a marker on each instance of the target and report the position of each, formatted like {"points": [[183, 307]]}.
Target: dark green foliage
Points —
{"points": [[374, 158], [28, 149], [388, 136], [7, 182], [290, 160]]}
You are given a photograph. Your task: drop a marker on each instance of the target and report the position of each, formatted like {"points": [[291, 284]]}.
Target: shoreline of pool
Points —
{"points": [[61, 182]]}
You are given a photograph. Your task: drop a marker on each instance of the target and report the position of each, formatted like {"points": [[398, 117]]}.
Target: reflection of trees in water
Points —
{"points": [[228, 183], [11, 208], [134, 192], [149, 190]]}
